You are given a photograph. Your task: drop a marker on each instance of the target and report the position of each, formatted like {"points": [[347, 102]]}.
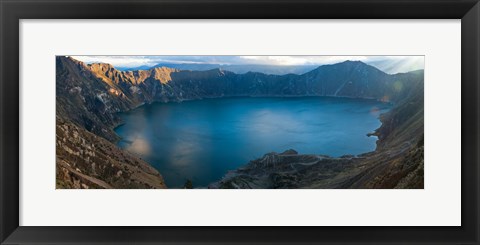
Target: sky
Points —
{"points": [[389, 64]]}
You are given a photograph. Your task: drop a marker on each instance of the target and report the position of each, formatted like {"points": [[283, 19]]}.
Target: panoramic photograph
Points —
{"points": [[239, 122]]}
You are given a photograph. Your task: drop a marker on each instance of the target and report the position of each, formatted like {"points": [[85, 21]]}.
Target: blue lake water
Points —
{"points": [[201, 140]]}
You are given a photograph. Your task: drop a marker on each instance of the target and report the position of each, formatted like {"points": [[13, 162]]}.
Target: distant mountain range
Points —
{"points": [[88, 97], [390, 67], [239, 69]]}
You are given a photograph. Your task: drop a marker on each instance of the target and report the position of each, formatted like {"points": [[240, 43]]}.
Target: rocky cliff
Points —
{"points": [[88, 97]]}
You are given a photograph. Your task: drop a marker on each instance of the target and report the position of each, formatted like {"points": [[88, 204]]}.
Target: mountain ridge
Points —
{"points": [[117, 91]]}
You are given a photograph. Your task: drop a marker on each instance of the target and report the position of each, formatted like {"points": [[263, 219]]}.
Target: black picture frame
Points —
{"points": [[12, 11]]}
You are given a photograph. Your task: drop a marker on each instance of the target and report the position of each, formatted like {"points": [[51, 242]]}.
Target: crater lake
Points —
{"points": [[201, 140]]}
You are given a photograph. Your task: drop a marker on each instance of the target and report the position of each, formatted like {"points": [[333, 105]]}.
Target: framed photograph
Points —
{"points": [[239, 122]]}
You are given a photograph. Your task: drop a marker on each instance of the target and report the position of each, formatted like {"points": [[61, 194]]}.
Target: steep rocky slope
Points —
{"points": [[86, 161], [89, 96]]}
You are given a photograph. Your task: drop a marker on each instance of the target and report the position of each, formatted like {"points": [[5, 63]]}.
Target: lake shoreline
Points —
{"points": [[328, 103]]}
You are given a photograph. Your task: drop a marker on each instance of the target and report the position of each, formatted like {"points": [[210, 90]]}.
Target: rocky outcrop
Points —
{"points": [[289, 170]]}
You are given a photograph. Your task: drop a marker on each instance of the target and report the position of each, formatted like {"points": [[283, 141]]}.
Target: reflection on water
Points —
{"points": [[139, 146], [201, 140]]}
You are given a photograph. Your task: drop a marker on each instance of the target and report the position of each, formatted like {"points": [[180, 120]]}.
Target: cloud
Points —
{"points": [[299, 60], [397, 64], [121, 61]]}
